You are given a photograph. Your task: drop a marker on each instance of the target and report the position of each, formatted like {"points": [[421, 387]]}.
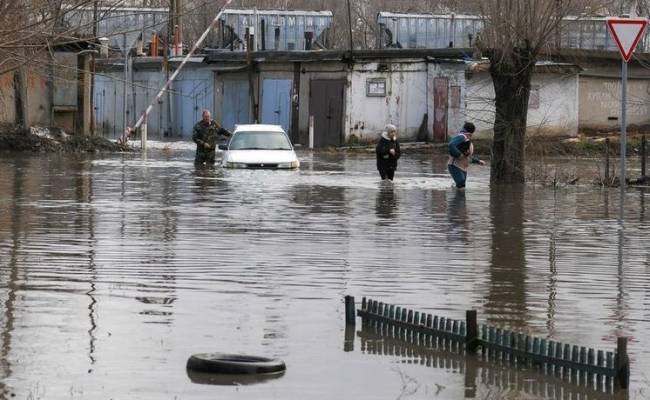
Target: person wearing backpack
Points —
{"points": [[461, 154]]}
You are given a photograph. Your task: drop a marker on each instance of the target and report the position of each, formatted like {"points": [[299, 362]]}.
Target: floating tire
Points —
{"points": [[221, 363]]}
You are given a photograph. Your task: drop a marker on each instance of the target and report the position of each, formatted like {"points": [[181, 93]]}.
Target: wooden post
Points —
{"points": [[350, 318], [622, 364], [610, 365], [471, 340]]}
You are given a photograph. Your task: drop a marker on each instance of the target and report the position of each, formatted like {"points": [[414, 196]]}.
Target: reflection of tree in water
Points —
{"points": [[85, 222], [386, 202], [506, 299], [13, 217]]}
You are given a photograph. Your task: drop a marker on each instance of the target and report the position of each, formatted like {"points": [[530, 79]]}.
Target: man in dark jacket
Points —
{"points": [[388, 152], [206, 134]]}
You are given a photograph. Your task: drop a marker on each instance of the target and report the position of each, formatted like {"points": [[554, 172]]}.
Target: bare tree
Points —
{"points": [[515, 33]]}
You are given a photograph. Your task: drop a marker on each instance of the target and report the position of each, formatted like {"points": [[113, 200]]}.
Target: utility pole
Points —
{"points": [[350, 26], [179, 21], [166, 52], [92, 67]]}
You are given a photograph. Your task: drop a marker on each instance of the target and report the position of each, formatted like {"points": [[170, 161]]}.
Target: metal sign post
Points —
{"points": [[626, 33]]}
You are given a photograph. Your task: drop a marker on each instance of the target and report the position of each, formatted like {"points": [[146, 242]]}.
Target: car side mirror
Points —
{"points": [[223, 147]]}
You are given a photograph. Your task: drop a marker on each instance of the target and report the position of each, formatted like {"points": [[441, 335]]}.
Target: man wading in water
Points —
{"points": [[205, 135]]}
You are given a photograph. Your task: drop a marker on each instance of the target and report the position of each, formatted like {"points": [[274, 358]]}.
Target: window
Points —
{"points": [[255, 140], [376, 87]]}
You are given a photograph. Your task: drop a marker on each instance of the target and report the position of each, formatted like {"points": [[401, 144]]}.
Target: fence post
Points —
{"points": [[350, 317], [622, 364], [471, 339]]}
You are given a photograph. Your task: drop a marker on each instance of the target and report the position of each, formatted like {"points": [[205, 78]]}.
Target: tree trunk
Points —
{"points": [[511, 81]]}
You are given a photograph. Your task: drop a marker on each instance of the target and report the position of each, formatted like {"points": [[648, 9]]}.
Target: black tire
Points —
{"points": [[221, 363]]}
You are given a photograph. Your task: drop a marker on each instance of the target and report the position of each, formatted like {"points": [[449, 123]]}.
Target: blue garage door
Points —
{"points": [[192, 96], [276, 102], [236, 103]]}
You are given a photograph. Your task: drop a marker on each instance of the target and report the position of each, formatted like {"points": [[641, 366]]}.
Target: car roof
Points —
{"points": [[259, 128]]}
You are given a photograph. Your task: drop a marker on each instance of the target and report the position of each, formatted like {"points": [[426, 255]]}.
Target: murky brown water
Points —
{"points": [[114, 270]]}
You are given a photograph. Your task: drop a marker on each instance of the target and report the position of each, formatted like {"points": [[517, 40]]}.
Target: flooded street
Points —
{"points": [[114, 270]]}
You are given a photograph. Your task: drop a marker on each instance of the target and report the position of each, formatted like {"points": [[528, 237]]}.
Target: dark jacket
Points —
{"points": [[207, 132], [385, 160]]}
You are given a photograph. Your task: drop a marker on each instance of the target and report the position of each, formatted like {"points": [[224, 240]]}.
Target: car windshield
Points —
{"points": [[259, 140]]}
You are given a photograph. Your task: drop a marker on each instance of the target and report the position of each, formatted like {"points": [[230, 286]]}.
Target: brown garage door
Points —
{"points": [[440, 96], [326, 105]]}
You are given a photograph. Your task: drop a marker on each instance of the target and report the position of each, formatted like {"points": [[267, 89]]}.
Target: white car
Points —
{"points": [[259, 146]]}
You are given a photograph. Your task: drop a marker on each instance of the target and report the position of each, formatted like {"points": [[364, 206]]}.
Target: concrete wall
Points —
{"points": [[556, 113], [39, 100], [600, 102], [51, 93], [404, 105]]}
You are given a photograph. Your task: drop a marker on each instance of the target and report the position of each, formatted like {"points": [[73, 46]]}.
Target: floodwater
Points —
{"points": [[114, 270]]}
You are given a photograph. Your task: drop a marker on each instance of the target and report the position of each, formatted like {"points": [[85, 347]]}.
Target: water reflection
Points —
{"points": [[620, 312], [507, 290], [457, 216], [85, 223], [318, 199], [120, 265], [231, 380], [386, 203], [14, 185], [205, 181], [483, 378], [642, 194]]}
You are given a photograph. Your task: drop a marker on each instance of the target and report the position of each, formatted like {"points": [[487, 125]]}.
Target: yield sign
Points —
{"points": [[627, 32]]}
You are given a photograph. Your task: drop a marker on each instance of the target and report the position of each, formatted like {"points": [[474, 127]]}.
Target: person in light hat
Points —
{"points": [[388, 152]]}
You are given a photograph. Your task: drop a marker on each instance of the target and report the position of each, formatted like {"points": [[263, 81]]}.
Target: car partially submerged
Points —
{"points": [[259, 146]]}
